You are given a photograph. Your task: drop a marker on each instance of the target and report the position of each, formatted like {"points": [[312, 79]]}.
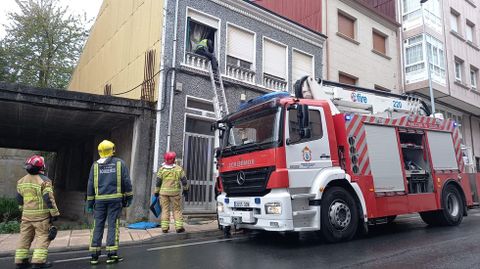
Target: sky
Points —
{"points": [[90, 7]]}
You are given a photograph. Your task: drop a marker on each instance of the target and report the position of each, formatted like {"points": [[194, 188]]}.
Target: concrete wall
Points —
{"points": [[355, 57], [115, 51], [11, 170]]}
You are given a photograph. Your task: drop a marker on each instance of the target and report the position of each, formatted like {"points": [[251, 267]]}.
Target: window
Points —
{"points": [[199, 26], [380, 88], [198, 126], [347, 79], [458, 69], [275, 59], [436, 57], [473, 77], [315, 123], [195, 103], [454, 21], [415, 55], [379, 42], [470, 32], [240, 47], [346, 25], [302, 65]]}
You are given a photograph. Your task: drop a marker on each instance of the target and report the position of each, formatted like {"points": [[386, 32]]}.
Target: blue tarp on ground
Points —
{"points": [[143, 225]]}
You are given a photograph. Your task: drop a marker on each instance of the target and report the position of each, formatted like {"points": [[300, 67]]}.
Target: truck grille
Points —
{"points": [[254, 183]]}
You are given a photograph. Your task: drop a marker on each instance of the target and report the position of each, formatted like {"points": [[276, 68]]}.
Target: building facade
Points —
{"points": [[445, 34], [363, 38], [258, 52]]}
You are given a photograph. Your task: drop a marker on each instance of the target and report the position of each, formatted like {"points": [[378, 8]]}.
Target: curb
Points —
{"points": [[164, 238]]}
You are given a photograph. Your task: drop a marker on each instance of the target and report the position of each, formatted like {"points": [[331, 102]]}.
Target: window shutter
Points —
{"points": [[379, 43], [240, 44], [346, 26], [275, 59], [204, 19], [302, 65]]}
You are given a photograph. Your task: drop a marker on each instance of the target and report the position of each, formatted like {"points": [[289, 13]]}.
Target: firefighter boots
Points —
{"points": [[114, 258]]}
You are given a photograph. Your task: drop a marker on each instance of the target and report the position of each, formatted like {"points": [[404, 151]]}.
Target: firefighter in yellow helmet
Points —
{"points": [[36, 200], [109, 189], [170, 179]]}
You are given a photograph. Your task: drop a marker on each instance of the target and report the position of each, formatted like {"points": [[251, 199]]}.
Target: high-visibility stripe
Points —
{"points": [[90, 198], [108, 196], [119, 177], [47, 190], [170, 189], [35, 211], [129, 193], [95, 178], [21, 254], [29, 185]]}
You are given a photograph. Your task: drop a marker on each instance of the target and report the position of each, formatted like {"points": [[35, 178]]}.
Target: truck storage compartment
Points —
{"points": [[416, 165]]}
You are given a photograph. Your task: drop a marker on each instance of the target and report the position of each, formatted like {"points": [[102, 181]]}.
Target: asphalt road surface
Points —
{"points": [[407, 243]]}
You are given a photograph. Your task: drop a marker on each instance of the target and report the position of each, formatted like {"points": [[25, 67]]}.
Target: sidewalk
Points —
{"points": [[79, 239]]}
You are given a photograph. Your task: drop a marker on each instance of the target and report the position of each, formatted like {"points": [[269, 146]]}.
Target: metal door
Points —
{"points": [[198, 165]]}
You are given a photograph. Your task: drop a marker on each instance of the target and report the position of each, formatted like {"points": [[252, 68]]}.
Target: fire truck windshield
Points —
{"points": [[254, 131]]}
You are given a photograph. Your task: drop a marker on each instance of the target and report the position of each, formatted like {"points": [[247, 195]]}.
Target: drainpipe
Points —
{"points": [[473, 146], [160, 89], [327, 47], [401, 50], [174, 78]]}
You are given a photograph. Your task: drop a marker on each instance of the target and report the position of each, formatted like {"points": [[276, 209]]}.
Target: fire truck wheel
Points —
{"points": [[339, 215], [452, 204]]}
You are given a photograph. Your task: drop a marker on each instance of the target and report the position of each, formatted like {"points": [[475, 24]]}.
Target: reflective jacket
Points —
{"points": [[109, 181], [169, 179], [35, 198], [201, 44]]}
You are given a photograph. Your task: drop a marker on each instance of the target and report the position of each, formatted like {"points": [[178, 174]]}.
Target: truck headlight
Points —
{"points": [[219, 207], [273, 208]]}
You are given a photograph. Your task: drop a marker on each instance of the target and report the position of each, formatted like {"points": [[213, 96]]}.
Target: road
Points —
{"points": [[408, 243]]}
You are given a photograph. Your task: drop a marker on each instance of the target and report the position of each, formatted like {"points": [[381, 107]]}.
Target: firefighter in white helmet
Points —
{"points": [[170, 179], [109, 189], [36, 200]]}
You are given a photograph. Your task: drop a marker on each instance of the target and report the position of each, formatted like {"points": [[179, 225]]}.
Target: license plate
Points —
{"points": [[241, 204]]}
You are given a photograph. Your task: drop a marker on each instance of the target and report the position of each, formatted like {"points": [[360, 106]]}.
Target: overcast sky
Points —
{"points": [[90, 7]]}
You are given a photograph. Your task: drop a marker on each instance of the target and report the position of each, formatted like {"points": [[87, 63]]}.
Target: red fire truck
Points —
{"points": [[338, 159]]}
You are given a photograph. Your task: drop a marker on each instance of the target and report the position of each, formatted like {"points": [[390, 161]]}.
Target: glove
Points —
{"points": [[128, 202], [54, 218], [156, 194], [89, 209], [185, 193]]}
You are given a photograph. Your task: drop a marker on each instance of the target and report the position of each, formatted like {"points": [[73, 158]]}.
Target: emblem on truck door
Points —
{"points": [[241, 178], [307, 154]]}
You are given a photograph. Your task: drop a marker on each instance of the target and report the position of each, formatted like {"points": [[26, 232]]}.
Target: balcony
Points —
{"points": [[240, 73], [196, 61], [274, 83]]}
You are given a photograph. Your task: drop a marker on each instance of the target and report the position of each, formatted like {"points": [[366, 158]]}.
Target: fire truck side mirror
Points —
{"points": [[303, 121]]}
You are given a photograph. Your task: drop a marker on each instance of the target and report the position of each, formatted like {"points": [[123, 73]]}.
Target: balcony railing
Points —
{"points": [[239, 73], [274, 83], [196, 61]]}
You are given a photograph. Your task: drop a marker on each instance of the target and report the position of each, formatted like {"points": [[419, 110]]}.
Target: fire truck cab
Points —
{"points": [[337, 162]]}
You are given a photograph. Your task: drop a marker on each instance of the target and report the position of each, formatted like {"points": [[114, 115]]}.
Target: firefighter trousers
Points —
{"points": [[106, 212], [30, 230], [176, 203]]}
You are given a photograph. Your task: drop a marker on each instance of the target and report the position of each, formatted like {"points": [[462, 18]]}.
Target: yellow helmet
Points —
{"points": [[106, 149]]}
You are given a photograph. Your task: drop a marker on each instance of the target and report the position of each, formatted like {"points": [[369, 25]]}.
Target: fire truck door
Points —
{"points": [[306, 156]]}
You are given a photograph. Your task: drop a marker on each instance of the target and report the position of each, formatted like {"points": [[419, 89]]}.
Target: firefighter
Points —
{"points": [[109, 189], [204, 47], [36, 200], [169, 179]]}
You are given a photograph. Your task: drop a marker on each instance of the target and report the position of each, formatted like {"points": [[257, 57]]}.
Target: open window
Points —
{"points": [[199, 26]]}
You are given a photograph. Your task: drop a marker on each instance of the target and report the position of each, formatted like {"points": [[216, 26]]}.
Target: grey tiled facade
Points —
{"points": [[197, 82]]}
